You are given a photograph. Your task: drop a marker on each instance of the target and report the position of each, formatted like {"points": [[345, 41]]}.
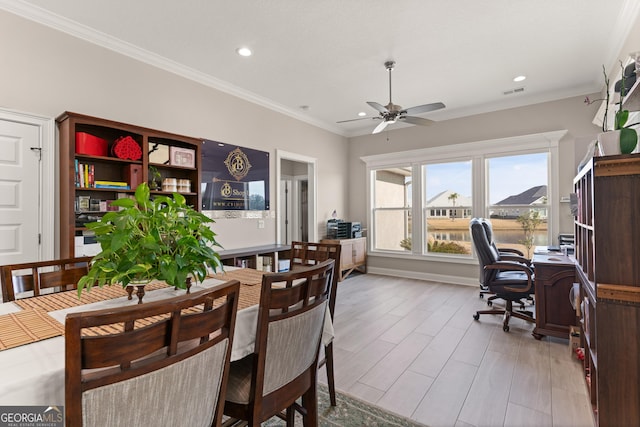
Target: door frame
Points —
{"points": [[48, 203], [313, 193]]}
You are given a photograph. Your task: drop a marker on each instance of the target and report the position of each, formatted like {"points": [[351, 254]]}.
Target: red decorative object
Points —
{"points": [[126, 147], [89, 144]]}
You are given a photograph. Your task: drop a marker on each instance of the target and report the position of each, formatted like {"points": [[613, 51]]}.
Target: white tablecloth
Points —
{"points": [[33, 374]]}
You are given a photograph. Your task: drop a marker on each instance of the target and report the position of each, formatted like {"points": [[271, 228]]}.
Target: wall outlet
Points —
{"points": [[260, 223]]}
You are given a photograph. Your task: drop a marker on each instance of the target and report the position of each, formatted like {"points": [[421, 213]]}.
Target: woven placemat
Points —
{"points": [[62, 300], [25, 332], [27, 326], [246, 276]]}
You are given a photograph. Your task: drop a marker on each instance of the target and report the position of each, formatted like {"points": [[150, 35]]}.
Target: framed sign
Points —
{"points": [[184, 157], [234, 178]]}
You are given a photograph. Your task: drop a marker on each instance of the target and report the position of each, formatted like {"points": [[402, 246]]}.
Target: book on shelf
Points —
{"points": [[85, 175], [112, 183], [113, 187]]}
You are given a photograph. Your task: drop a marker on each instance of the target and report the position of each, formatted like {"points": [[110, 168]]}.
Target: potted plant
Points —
{"points": [[623, 138], [160, 238], [154, 183]]}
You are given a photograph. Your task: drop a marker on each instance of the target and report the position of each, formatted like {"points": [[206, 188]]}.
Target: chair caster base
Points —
{"points": [[476, 316], [505, 328]]}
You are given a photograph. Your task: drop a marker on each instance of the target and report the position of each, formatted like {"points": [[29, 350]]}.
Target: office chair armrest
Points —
{"points": [[511, 251], [516, 258], [514, 266]]}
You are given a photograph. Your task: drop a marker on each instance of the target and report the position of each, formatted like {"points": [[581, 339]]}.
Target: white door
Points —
{"points": [[20, 169]]}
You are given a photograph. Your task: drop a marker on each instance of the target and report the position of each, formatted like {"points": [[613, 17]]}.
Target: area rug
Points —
{"points": [[349, 412]]}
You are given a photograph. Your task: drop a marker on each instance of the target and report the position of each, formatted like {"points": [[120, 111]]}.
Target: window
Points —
{"points": [[519, 204], [392, 208], [506, 179], [447, 209]]}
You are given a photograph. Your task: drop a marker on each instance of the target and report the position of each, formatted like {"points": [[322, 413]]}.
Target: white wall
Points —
{"points": [[47, 72]]}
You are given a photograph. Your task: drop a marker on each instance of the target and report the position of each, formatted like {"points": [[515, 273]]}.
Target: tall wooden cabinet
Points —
{"points": [[88, 143], [607, 231]]}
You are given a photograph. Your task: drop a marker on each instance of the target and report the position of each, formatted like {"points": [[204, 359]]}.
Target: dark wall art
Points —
{"points": [[234, 178]]}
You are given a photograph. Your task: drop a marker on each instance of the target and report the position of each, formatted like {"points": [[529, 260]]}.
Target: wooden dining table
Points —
{"points": [[33, 373]]}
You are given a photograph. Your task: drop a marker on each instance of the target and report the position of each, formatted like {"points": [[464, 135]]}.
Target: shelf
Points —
{"points": [[163, 166], [169, 193], [110, 190], [89, 157], [632, 99]]}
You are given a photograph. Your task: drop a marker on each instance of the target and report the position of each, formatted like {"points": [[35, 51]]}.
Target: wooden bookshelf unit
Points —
{"points": [[607, 231], [80, 198]]}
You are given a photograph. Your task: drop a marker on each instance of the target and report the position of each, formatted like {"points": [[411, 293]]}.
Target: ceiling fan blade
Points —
{"points": [[360, 118], [380, 127], [378, 107], [417, 120], [425, 108]]}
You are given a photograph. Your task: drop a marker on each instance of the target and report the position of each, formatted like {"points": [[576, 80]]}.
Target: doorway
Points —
{"points": [[27, 205], [296, 198]]}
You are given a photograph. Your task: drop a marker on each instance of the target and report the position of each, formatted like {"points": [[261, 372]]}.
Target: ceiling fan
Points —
{"points": [[391, 113]]}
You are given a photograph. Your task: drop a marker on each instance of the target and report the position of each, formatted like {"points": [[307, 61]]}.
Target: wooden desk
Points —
{"points": [[554, 278]]}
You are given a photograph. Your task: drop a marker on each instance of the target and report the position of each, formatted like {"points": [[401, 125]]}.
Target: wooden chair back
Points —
{"points": [[283, 366], [60, 274], [309, 253], [162, 363]]}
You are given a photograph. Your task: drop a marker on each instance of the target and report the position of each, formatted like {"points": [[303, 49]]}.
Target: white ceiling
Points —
{"points": [[329, 55]]}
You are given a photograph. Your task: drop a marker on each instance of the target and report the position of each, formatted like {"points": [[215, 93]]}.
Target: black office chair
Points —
{"points": [[510, 281], [505, 254]]}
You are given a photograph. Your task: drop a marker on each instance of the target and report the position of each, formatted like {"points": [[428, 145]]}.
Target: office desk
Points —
{"points": [[554, 277]]}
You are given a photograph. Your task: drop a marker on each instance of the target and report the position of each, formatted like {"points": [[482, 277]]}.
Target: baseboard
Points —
{"points": [[456, 280]]}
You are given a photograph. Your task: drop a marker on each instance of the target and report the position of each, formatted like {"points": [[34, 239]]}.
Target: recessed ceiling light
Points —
{"points": [[519, 78], [244, 51], [362, 114]]}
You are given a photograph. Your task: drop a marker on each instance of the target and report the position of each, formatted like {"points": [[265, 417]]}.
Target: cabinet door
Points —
{"points": [[359, 251], [346, 254]]}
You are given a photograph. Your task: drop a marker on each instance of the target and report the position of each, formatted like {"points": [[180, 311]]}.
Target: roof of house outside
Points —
{"points": [[442, 200], [527, 197]]}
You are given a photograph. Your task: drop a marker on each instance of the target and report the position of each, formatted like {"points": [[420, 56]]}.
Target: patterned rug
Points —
{"points": [[349, 412]]}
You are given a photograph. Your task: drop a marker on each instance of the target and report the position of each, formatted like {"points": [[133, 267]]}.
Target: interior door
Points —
{"points": [[20, 169]]}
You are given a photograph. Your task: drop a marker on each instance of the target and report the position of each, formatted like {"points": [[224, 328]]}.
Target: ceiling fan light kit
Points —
{"points": [[391, 113]]}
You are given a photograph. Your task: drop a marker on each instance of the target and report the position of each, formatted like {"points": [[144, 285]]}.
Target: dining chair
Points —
{"points": [[162, 363], [283, 366], [308, 253], [56, 275], [508, 280]]}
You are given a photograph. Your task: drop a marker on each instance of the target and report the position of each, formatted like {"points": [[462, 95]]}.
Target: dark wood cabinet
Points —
{"points": [[607, 230], [555, 275], [89, 143]]}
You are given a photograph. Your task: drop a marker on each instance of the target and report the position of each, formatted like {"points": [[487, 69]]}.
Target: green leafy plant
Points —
{"points": [[529, 222], [628, 135], [160, 238], [154, 183]]}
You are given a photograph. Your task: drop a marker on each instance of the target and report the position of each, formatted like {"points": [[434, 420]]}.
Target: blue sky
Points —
{"points": [[507, 176]]}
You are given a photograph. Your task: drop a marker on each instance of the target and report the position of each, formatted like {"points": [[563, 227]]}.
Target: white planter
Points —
{"points": [[609, 143]]}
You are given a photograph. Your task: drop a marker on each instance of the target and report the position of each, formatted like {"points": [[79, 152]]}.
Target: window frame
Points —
{"points": [[477, 152]]}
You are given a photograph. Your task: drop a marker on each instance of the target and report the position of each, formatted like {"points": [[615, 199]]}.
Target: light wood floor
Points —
{"points": [[412, 347]]}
